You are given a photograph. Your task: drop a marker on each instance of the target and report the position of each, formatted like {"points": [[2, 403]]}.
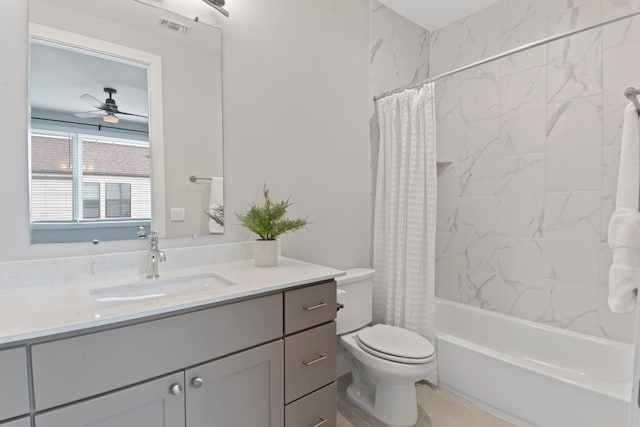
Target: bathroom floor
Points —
{"points": [[443, 408]]}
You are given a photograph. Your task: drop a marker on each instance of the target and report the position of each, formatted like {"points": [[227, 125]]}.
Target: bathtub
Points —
{"points": [[532, 374]]}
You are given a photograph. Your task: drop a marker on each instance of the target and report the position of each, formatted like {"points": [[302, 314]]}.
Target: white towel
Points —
{"points": [[624, 228], [216, 201]]}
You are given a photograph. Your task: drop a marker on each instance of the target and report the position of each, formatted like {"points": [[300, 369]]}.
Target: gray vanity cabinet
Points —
{"points": [[242, 390], [14, 392], [155, 403], [22, 422]]}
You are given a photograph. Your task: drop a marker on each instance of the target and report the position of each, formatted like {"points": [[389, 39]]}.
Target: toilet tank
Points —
{"points": [[355, 291]]}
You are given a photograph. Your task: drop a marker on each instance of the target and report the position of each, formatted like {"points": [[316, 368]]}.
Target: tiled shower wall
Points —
{"points": [[533, 142]]}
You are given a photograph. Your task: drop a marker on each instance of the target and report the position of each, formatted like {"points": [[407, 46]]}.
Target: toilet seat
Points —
{"points": [[395, 344]]}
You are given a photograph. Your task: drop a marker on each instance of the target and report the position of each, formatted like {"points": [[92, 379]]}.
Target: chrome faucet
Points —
{"points": [[154, 256]]}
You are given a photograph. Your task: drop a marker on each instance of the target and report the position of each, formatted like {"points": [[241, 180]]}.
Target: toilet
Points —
{"points": [[386, 361]]}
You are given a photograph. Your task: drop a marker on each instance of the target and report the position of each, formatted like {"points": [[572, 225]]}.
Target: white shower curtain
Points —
{"points": [[405, 212]]}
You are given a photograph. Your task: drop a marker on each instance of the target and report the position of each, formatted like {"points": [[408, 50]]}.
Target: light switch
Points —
{"points": [[177, 214]]}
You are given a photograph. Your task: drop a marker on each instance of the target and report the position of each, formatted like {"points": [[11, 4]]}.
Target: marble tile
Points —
{"points": [[621, 32], [474, 285], [523, 112], [447, 203], [524, 91], [477, 173], [523, 133], [480, 93], [399, 50], [582, 14], [621, 70], [573, 306], [450, 126], [610, 167], [520, 267], [555, 7], [572, 236], [574, 145], [515, 12], [466, 41], [612, 8], [476, 225], [448, 262], [619, 327], [532, 27], [521, 195], [575, 66], [521, 61]]}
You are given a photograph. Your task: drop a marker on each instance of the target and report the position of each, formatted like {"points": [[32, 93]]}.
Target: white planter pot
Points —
{"points": [[265, 253]]}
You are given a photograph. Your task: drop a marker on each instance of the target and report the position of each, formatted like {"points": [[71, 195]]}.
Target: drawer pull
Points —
{"points": [[314, 361], [175, 389], [319, 423], [314, 307], [197, 382]]}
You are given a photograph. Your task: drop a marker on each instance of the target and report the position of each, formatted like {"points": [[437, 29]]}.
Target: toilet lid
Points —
{"points": [[396, 344]]}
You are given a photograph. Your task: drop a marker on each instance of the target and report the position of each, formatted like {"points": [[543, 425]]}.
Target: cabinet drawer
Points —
{"points": [[145, 405], [317, 409], [22, 422], [310, 361], [14, 393], [308, 307], [79, 367]]}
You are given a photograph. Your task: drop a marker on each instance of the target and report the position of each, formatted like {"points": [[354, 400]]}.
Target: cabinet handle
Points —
{"points": [[314, 307], [197, 382], [314, 361], [175, 389], [319, 423]]}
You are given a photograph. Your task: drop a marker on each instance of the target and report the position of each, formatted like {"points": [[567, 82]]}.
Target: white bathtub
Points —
{"points": [[532, 374]]}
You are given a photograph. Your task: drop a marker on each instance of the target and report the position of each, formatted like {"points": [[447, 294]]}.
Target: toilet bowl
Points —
{"points": [[386, 361]]}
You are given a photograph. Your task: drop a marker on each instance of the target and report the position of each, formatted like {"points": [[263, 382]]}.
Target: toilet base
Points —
{"points": [[393, 404]]}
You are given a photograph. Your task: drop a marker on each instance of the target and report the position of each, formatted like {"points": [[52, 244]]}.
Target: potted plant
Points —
{"points": [[268, 221]]}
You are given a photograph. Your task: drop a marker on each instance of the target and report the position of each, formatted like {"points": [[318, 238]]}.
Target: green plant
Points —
{"points": [[268, 220]]}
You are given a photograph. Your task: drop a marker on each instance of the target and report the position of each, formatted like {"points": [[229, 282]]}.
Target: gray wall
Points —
{"points": [[295, 115]]}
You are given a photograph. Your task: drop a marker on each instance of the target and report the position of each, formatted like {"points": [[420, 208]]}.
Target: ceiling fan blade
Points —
{"points": [[130, 114], [94, 102], [90, 114]]}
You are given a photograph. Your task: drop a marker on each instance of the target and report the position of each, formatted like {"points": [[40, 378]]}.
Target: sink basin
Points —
{"points": [[156, 289]]}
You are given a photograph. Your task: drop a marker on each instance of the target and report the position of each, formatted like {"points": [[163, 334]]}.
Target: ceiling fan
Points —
{"points": [[107, 109]]}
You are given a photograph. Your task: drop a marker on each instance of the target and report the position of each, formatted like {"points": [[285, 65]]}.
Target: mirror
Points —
{"points": [[125, 109]]}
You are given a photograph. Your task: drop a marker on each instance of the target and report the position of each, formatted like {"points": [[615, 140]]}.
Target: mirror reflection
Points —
{"points": [[90, 170], [126, 122]]}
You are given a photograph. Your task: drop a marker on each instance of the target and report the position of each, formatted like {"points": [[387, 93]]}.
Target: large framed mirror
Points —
{"points": [[126, 122]]}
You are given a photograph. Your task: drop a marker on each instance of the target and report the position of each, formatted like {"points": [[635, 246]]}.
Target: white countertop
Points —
{"points": [[41, 311]]}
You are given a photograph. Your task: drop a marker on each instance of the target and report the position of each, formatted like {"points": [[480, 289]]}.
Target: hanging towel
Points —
{"points": [[624, 227], [216, 205]]}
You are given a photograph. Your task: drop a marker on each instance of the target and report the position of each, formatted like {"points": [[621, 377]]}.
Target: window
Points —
{"points": [[118, 198], [77, 177], [90, 200]]}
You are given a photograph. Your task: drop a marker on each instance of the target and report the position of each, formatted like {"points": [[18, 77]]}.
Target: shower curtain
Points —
{"points": [[405, 212]]}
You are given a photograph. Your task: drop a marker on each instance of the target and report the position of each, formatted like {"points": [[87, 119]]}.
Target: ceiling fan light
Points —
{"points": [[110, 118]]}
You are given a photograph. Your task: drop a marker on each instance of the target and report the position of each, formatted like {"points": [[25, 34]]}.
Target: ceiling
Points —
{"points": [[433, 14], [60, 75]]}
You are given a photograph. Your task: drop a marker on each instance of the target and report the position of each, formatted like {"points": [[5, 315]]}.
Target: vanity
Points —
{"points": [[256, 347]]}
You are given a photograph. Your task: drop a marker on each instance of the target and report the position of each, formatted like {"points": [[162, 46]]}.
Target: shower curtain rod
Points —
{"points": [[509, 53]]}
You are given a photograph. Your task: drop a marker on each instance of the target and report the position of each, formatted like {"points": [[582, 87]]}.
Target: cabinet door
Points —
{"points": [[14, 393], [22, 422], [246, 389], [152, 404]]}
